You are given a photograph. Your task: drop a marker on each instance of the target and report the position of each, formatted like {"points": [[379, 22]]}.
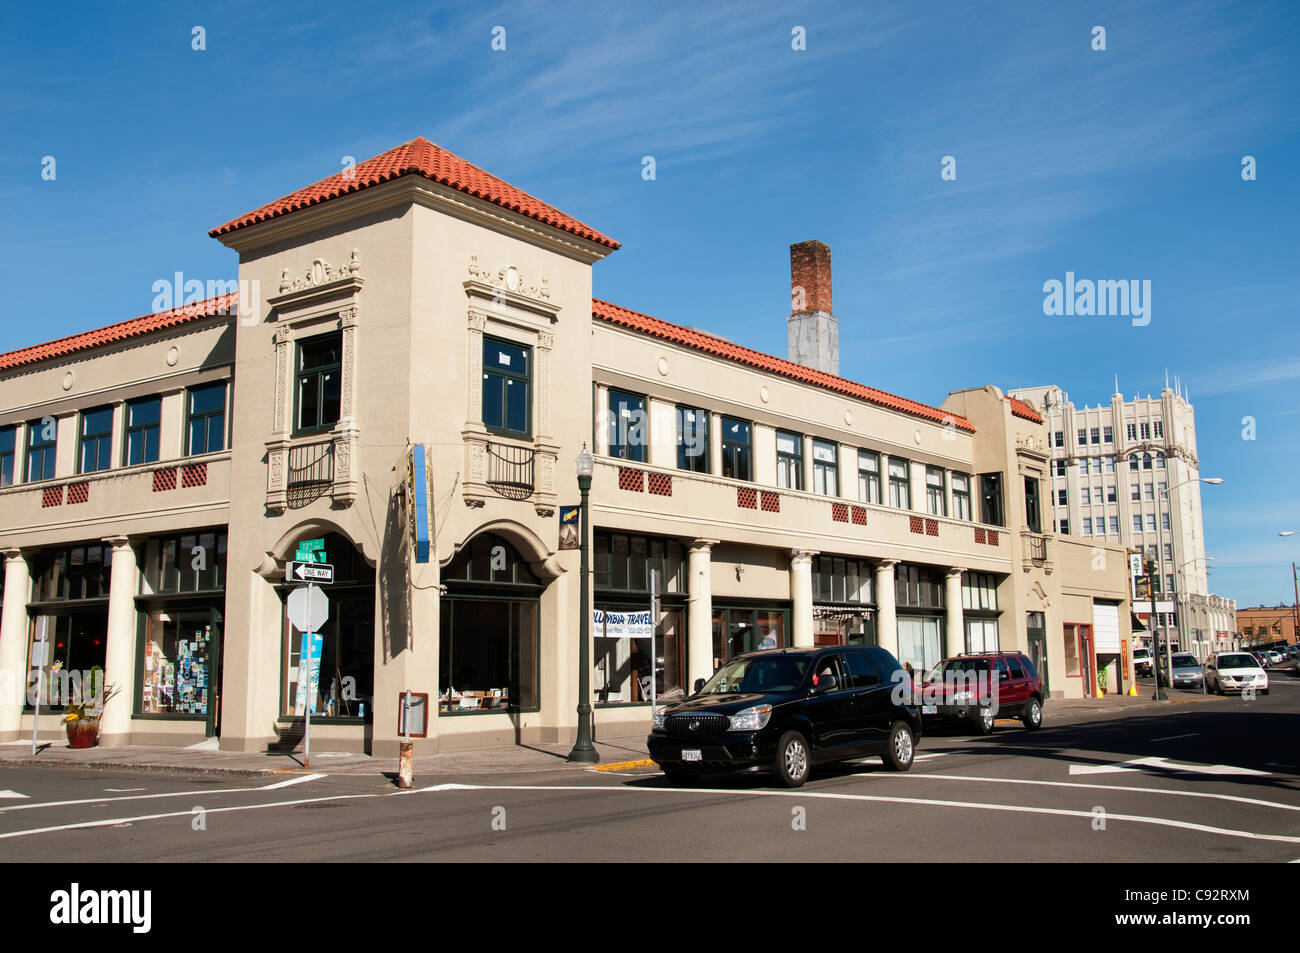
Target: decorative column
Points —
{"points": [[13, 644], [886, 613], [699, 613], [954, 638], [801, 597], [119, 654]]}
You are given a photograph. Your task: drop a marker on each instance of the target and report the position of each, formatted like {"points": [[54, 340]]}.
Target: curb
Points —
{"points": [[148, 768]]}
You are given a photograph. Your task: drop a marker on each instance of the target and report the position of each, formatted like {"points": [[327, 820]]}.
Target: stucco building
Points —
{"points": [[161, 471]]}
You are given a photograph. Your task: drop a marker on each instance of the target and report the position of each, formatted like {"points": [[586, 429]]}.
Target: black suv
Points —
{"points": [[783, 710]]}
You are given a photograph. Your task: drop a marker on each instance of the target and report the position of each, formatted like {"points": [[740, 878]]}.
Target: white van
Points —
{"points": [[1142, 661]]}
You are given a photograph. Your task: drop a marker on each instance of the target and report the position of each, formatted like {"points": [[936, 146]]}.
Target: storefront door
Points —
{"points": [[213, 727]]}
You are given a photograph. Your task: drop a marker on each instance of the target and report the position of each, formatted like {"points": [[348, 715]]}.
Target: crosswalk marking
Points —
{"points": [[1165, 764], [11, 794]]}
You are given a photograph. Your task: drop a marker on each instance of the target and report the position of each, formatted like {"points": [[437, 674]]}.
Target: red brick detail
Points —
{"points": [[164, 479], [52, 496], [194, 474], [810, 277], [840, 512], [859, 516], [771, 502], [746, 498], [631, 479], [419, 157], [993, 537], [916, 524], [931, 527], [979, 534], [78, 492], [661, 484]]}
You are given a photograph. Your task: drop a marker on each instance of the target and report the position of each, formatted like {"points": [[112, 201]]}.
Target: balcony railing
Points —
{"points": [[1035, 551], [510, 470], [310, 473]]}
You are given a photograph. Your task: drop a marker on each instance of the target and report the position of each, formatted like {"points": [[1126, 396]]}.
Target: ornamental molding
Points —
{"points": [[511, 279], [321, 273]]}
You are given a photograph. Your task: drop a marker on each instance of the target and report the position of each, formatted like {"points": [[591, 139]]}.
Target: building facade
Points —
{"points": [[1128, 473], [1266, 625], [161, 472]]}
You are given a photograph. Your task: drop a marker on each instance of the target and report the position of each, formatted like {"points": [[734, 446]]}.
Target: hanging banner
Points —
{"points": [[621, 625]]}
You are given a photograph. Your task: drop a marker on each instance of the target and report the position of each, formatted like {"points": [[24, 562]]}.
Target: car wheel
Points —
{"points": [[982, 720], [901, 749], [1033, 716], [793, 760]]}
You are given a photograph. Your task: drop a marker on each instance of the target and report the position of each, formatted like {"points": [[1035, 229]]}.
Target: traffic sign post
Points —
{"points": [[309, 609], [40, 658]]}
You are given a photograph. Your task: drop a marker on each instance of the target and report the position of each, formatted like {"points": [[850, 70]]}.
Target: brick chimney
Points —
{"points": [[812, 331]]}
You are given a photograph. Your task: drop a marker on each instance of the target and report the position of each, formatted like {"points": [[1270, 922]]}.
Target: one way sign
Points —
{"points": [[319, 573]]}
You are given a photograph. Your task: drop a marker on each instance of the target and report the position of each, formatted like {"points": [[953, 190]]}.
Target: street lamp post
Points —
{"points": [[1295, 583], [1213, 481], [583, 751]]}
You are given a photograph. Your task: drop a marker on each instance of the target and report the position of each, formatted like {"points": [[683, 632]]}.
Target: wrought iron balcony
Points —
{"points": [[510, 470]]}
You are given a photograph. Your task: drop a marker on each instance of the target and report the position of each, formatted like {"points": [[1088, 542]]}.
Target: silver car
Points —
{"points": [[1187, 671]]}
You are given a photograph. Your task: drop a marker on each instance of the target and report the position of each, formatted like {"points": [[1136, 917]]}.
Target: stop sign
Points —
{"points": [[309, 609]]}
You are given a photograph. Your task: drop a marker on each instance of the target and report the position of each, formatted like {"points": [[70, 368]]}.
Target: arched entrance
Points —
{"points": [[489, 635]]}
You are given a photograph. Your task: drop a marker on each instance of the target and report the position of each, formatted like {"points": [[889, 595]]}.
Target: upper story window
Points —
{"points": [[143, 419], [1032, 510], [837, 579], [1095, 434], [1107, 434], [627, 430], [826, 468], [991, 499], [96, 440], [1083, 436], [1110, 464], [205, 427], [1160, 461], [1159, 427], [1060, 438], [1131, 430], [961, 496], [8, 436], [979, 590], [79, 572], [737, 449], [789, 460], [693, 439], [1133, 462], [1146, 461], [900, 486], [1146, 430], [935, 501], [319, 383], [507, 387], [42, 442], [868, 476], [1059, 467]]}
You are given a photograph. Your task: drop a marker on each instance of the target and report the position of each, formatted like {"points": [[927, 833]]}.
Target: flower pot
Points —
{"points": [[83, 732]]}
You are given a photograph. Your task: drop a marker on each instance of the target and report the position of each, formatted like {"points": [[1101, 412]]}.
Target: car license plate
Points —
{"points": [[929, 709], [691, 754]]}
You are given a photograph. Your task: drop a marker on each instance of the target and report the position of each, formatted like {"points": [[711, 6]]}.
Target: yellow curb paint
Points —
{"points": [[624, 765]]}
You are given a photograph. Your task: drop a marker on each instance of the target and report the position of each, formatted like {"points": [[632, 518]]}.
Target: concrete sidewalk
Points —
{"points": [[207, 760]]}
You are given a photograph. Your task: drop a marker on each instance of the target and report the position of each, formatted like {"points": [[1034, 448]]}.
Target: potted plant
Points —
{"points": [[1102, 676], [81, 720]]}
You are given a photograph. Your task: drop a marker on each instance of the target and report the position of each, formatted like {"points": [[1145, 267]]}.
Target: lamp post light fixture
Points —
{"points": [[583, 751], [1295, 583]]}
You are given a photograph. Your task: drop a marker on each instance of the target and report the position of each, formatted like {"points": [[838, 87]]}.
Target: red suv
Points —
{"points": [[977, 689]]}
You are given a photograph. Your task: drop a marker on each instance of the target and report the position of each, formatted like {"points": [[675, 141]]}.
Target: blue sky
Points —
{"points": [[1117, 164]]}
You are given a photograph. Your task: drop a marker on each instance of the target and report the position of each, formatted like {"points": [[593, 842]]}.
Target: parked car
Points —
{"points": [[1187, 671], [977, 689], [786, 710], [1142, 662], [1233, 672]]}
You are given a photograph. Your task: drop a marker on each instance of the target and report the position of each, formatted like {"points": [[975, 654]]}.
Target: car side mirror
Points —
{"points": [[825, 683], [699, 683]]}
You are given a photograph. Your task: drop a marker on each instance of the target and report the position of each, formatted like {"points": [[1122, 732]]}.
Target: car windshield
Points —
{"points": [[780, 673], [1185, 661], [1236, 661], [953, 665]]}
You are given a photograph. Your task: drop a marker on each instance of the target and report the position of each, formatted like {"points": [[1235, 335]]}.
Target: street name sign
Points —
{"points": [[319, 573]]}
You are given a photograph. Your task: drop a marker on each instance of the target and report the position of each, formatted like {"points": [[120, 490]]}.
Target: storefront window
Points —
{"points": [[74, 672], [918, 586], [488, 631], [747, 629], [193, 562], [180, 662], [981, 635], [919, 642]]}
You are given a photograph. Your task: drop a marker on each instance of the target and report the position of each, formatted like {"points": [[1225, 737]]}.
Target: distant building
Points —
{"points": [[1127, 472], [1264, 625]]}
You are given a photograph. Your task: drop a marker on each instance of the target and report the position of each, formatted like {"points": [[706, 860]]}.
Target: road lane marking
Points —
{"points": [[1101, 787], [9, 794], [1194, 734], [292, 781], [140, 797], [835, 796], [120, 790], [122, 821], [1165, 764]]}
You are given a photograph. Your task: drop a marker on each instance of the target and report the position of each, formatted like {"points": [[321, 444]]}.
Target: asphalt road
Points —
{"points": [[1214, 780]]}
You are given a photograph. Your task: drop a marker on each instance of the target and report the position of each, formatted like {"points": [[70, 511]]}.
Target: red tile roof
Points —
{"points": [[1021, 409], [699, 341], [211, 307], [419, 157]]}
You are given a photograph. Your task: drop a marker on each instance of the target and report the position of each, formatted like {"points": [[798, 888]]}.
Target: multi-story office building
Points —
{"points": [[161, 471], [1128, 473], [1267, 625]]}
